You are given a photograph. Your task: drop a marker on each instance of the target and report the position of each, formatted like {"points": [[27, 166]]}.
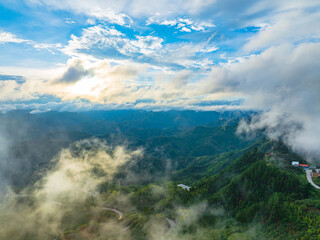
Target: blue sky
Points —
{"points": [[191, 54], [158, 55]]}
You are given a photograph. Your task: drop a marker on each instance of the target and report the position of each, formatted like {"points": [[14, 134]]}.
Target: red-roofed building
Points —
{"points": [[303, 165]]}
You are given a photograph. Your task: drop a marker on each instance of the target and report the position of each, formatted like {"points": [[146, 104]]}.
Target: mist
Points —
{"points": [[282, 83], [40, 210]]}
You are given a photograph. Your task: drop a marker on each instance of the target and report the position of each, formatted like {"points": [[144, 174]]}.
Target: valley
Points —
{"points": [[164, 183]]}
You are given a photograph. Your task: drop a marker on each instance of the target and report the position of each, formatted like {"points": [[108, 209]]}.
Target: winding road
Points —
{"points": [[115, 211], [120, 214], [172, 225], [309, 178], [171, 222]]}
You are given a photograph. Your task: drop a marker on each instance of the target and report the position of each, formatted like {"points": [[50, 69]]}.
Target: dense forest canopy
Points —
{"points": [[120, 179]]}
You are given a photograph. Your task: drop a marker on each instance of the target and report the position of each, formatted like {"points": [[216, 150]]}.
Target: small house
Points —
{"points": [[303, 165], [184, 186], [315, 175], [295, 163]]}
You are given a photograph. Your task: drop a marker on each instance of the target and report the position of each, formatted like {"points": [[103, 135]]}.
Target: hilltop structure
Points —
{"points": [[315, 173]]}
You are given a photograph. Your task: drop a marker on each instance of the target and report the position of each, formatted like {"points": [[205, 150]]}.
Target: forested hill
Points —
{"points": [[115, 181], [250, 193], [265, 190], [33, 140]]}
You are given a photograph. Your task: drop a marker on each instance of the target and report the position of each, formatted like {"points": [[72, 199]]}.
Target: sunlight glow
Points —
{"points": [[85, 87]]}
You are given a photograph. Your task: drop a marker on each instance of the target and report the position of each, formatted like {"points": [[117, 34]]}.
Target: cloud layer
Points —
{"points": [[169, 54], [283, 82]]}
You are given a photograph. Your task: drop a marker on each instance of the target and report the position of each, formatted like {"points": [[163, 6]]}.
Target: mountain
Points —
{"points": [[32, 140], [100, 175]]}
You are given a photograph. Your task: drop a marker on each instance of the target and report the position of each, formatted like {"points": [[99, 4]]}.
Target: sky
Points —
{"points": [[160, 55], [72, 56]]}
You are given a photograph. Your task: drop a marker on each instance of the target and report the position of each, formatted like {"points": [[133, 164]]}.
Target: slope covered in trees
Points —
{"points": [[239, 188]]}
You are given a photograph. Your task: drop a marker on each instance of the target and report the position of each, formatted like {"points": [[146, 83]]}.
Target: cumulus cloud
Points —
{"points": [[106, 84], [7, 37], [107, 42], [112, 41], [75, 71], [24, 84], [283, 82], [107, 14], [120, 86], [114, 66], [183, 24], [11, 90], [293, 26]]}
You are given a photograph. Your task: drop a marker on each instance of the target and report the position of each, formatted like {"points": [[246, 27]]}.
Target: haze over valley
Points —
{"points": [[159, 120]]}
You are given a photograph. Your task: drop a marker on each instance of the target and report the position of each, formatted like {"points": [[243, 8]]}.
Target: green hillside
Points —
{"points": [[239, 188]]}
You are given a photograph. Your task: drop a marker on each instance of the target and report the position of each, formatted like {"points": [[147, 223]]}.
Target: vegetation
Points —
{"points": [[240, 189]]}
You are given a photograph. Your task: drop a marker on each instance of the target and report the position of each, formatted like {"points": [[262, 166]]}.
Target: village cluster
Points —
{"points": [[315, 170]]}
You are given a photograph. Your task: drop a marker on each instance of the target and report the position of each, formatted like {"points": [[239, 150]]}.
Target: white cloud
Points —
{"points": [[146, 44], [91, 21], [115, 10], [38, 83], [110, 16], [53, 48], [231, 12], [10, 90], [69, 21], [284, 82], [165, 22], [104, 84], [7, 37], [184, 29], [281, 78], [101, 10], [75, 72], [209, 49], [288, 27], [183, 24], [102, 37], [99, 40]]}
